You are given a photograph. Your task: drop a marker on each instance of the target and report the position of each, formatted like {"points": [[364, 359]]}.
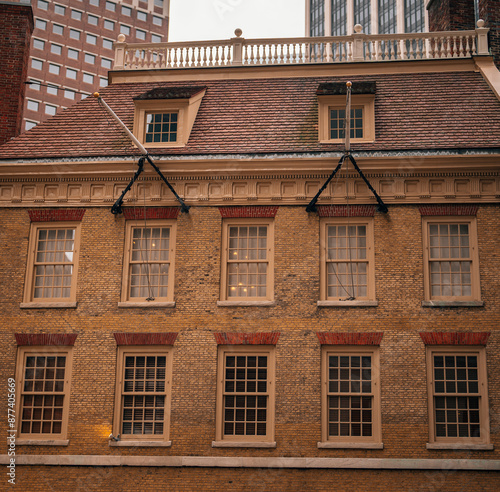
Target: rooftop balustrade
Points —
{"points": [[358, 47]]}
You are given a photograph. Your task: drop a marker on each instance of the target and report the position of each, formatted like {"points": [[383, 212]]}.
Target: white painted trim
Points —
{"points": [[47, 305], [442, 304], [250, 462], [456, 445]]}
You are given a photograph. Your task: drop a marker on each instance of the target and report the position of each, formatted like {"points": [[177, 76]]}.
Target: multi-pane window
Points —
{"points": [[451, 256], [45, 375], [347, 260], [317, 18], [143, 392], [149, 263], [458, 395], [387, 18], [351, 394], [362, 14], [338, 123], [54, 255], [414, 16], [247, 271], [246, 394], [161, 127]]}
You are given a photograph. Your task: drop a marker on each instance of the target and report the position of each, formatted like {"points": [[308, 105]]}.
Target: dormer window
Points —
{"points": [[161, 127], [332, 112], [164, 116]]}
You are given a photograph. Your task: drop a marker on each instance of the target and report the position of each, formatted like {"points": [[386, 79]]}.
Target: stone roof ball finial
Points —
{"points": [[480, 23], [121, 38], [238, 32], [358, 28]]}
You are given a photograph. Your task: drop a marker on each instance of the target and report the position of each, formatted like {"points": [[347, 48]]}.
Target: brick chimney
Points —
{"points": [[16, 26], [459, 15]]}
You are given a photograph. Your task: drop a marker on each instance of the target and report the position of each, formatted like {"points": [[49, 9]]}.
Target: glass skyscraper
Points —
{"points": [[338, 17]]}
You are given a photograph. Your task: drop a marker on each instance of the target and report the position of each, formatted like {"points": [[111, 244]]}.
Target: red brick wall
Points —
{"points": [[451, 15], [489, 11], [16, 26]]}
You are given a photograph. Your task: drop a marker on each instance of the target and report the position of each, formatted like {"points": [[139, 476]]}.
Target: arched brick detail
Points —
{"points": [[455, 338], [57, 339], [145, 338], [270, 338], [255, 212], [346, 211], [449, 210], [141, 213], [58, 215], [328, 338]]}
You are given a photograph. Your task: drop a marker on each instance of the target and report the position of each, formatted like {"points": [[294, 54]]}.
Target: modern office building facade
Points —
{"points": [[72, 48], [338, 17]]}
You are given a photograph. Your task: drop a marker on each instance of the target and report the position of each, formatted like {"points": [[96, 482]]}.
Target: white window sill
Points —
{"points": [[245, 303], [347, 303], [146, 304], [459, 445], [440, 304], [140, 444], [249, 444], [47, 305], [350, 445], [42, 442]]}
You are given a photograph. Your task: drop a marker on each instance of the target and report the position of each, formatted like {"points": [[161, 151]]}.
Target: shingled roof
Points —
{"points": [[452, 110]]}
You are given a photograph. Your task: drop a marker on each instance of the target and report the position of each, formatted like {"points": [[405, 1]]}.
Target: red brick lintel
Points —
{"points": [[32, 339], [254, 212], [449, 210], [247, 338], [328, 338], [145, 338], [137, 213], [57, 215], [455, 338], [346, 211]]}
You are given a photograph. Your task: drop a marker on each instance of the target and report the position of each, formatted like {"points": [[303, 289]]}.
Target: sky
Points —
{"points": [[195, 20]]}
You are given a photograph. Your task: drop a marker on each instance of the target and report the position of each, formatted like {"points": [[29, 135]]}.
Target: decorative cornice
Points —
{"points": [[47, 339], [328, 338], [455, 338], [145, 338], [270, 338]]}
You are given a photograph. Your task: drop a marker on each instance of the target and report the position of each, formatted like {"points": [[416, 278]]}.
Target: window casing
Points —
{"points": [[248, 260], [347, 259], [351, 395], [52, 262], [332, 112], [143, 388], [44, 382], [451, 260], [458, 395], [149, 261], [245, 394]]}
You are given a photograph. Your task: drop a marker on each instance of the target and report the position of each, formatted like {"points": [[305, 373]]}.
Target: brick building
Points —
{"points": [[16, 24], [72, 48], [249, 338]]}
